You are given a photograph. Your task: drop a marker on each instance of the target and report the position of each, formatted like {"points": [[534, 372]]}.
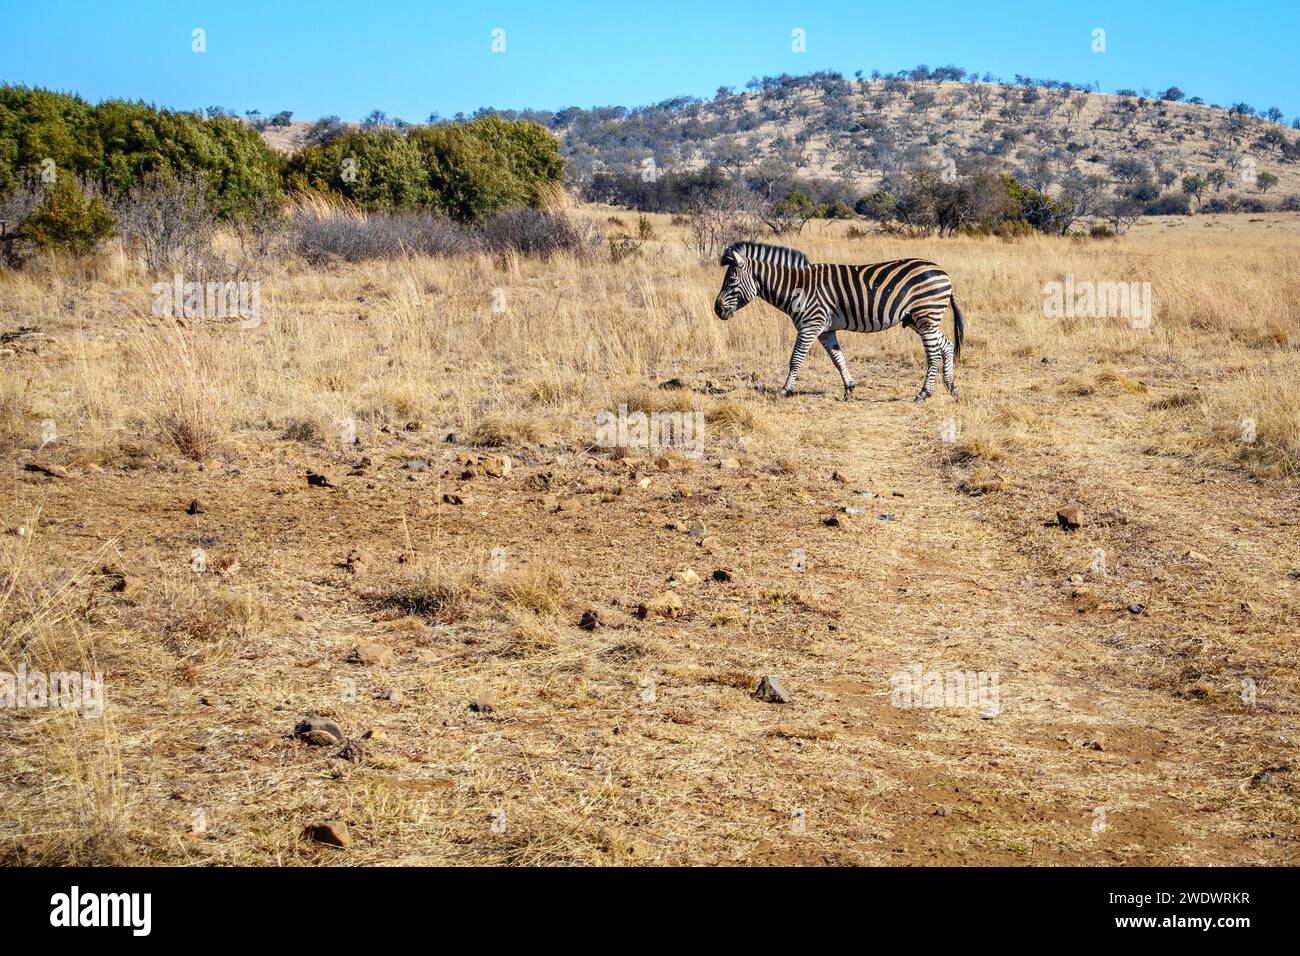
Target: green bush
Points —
{"points": [[67, 220], [116, 142]]}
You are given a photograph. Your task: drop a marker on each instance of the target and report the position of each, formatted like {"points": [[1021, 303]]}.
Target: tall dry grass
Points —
{"points": [[514, 349]]}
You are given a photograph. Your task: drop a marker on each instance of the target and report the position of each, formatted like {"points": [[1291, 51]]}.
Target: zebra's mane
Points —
{"points": [[765, 251]]}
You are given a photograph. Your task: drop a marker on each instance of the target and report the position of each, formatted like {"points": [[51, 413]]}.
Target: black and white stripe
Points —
{"points": [[823, 298]]}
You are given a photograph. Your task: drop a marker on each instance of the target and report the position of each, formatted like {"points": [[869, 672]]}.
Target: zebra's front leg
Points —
{"points": [[928, 329], [831, 344], [803, 341]]}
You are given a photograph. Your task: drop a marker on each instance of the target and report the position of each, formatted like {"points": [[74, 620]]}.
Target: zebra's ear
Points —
{"points": [[732, 257]]}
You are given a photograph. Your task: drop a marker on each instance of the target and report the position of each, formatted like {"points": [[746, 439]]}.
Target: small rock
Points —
{"points": [[454, 438], [369, 652], [729, 464], [698, 531], [1071, 517], [356, 561], [451, 498], [666, 605], [498, 466], [53, 471], [318, 732], [330, 833], [128, 584], [724, 574], [393, 694], [1195, 556], [596, 618], [1095, 742], [483, 705], [196, 507], [352, 752], [318, 480], [569, 504], [416, 464], [770, 691], [686, 575], [837, 521], [1136, 608]]}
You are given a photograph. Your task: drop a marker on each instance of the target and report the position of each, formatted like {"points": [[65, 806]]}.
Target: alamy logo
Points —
{"points": [[66, 689], [921, 688], [1098, 300], [103, 909], [656, 431], [209, 300]]}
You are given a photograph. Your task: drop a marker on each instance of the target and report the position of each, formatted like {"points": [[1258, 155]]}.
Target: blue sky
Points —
{"points": [[413, 58]]}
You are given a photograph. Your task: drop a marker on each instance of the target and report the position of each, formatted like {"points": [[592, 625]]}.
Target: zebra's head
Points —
{"points": [[738, 285]]}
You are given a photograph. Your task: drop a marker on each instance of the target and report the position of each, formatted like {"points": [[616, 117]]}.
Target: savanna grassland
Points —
{"points": [[432, 607]]}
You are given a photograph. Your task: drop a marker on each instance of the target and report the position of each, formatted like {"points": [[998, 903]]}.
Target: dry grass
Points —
{"points": [[638, 741]]}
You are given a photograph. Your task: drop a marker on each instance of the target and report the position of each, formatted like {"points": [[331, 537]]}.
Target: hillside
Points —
{"points": [[849, 137]]}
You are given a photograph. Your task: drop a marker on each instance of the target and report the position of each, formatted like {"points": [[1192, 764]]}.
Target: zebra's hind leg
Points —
{"points": [[927, 327], [949, 378]]}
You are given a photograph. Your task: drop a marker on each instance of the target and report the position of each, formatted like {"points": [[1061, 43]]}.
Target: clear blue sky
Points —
{"points": [[347, 57]]}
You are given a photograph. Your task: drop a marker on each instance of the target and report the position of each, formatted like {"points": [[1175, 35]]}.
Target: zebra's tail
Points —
{"points": [[958, 327]]}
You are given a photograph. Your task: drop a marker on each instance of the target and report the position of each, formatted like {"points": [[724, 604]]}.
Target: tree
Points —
{"points": [[791, 213], [282, 118], [1173, 94], [1265, 181], [1195, 186]]}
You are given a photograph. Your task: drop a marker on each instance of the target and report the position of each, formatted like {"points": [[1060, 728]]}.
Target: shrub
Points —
{"points": [[170, 217], [323, 234], [538, 233], [67, 220]]}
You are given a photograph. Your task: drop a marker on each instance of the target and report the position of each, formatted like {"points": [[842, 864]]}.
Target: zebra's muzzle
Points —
{"points": [[722, 311]]}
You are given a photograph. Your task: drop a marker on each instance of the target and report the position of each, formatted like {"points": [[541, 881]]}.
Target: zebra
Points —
{"points": [[823, 298]]}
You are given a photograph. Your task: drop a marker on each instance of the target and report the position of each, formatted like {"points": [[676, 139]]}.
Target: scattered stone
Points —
{"points": [[1261, 778], [724, 574], [498, 466], [1070, 517], [643, 483], [729, 464], [318, 480], [770, 691], [887, 517], [837, 521], [196, 507], [128, 584], [1195, 556], [1095, 742], [414, 426], [686, 575], [665, 605], [356, 561], [53, 471], [569, 504], [416, 464], [841, 477], [330, 833], [318, 732], [596, 618], [673, 383], [483, 705], [451, 498], [393, 694], [454, 438], [698, 531], [352, 752], [1136, 608], [369, 653]]}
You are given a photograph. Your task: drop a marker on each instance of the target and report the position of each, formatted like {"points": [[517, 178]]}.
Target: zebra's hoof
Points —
{"points": [[955, 392], [921, 396], [848, 394], [787, 392]]}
